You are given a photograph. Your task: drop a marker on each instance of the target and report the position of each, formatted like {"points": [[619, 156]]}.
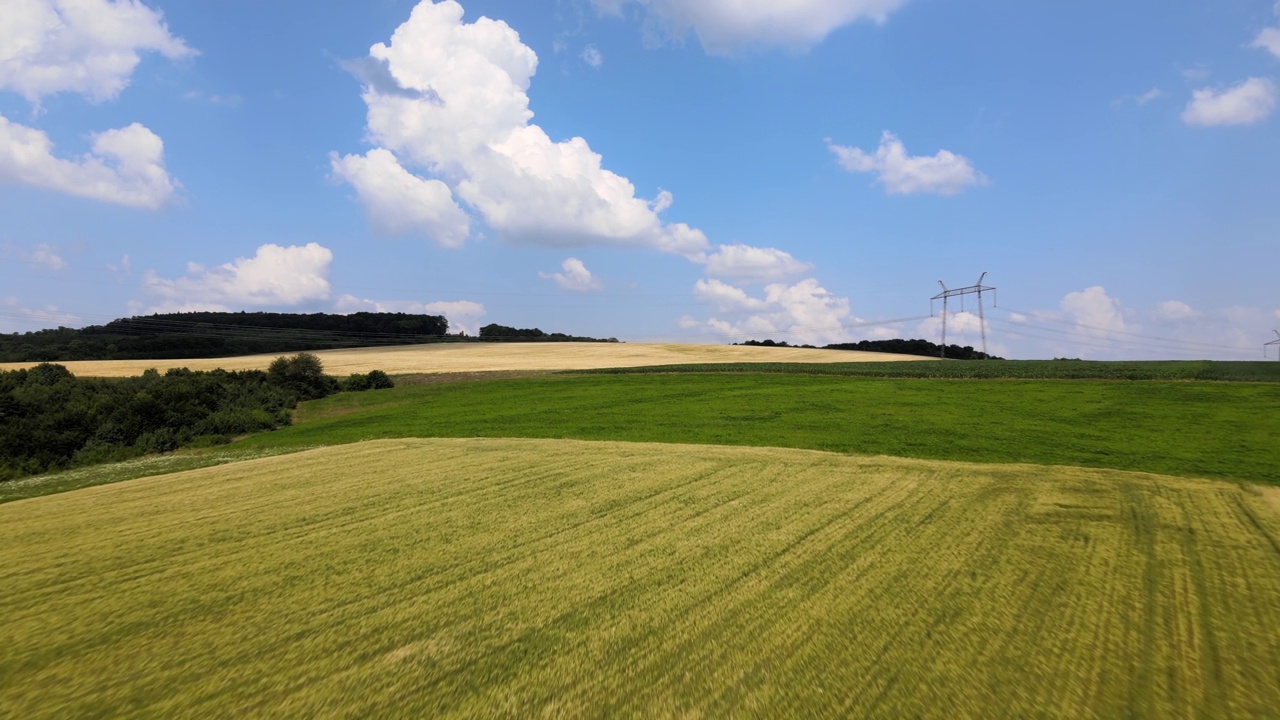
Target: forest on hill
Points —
{"points": [[228, 334], [896, 345]]}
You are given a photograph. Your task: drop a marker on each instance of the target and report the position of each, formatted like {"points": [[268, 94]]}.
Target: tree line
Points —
{"points": [[226, 334], [496, 332], [219, 334], [52, 420], [896, 345]]}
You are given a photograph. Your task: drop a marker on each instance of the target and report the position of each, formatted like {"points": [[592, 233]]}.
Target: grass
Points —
{"points": [[1195, 429], [1208, 370], [491, 578], [146, 466], [1176, 427]]}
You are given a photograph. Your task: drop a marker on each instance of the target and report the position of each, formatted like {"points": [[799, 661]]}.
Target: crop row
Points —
{"points": [[487, 578]]}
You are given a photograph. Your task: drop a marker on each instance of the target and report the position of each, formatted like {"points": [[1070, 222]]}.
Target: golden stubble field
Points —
{"points": [[478, 578], [487, 357]]}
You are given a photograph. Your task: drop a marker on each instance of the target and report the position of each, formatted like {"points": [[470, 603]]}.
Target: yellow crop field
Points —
{"points": [[481, 578], [487, 357]]}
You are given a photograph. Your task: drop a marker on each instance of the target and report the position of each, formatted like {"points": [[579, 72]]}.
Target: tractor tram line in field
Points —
{"points": [[464, 577], [635, 543]]}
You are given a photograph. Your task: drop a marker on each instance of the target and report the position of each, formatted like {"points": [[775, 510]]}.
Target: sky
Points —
{"points": [[696, 171]]}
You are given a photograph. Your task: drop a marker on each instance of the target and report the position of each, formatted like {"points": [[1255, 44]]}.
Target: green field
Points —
{"points": [[424, 578], [1209, 370], [1195, 429], [1224, 430], [749, 550]]}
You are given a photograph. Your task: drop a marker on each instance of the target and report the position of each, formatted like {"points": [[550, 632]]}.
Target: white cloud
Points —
{"points": [[801, 313], [1174, 310], [725, 26], [454, 104], [41, 255], [1149, 96], [726, 297], [1088, 324], [576, 277], [744, 262], [1231, 332], [1092, 324], [121, 270], [592, 56], [231, 101], [1244, 103], [1269, 40], [943, 174], [16, 317], [1196, 74], [274, 277], [90, 47], [463, 315], [124, 166], [399, 202], [1141, 99], [964, 328], [1094, 311]]}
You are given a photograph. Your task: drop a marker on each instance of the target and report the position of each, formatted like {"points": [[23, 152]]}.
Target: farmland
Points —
{"points": [[734, 540], [524, 577], [493, 357], [1223, 430], [1207, 370]]}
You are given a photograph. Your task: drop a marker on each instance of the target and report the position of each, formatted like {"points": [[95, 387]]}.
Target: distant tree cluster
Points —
{"points": [[52, 420], [897, 346], [225, 334], [494, 331], [220, 334]]}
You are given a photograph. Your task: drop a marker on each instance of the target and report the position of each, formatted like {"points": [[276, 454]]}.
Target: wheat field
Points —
{"points": [[524, 578], [487, 357]]}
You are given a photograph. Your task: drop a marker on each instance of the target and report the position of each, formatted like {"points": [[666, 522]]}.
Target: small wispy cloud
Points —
{"points": [[231, 101], [1269, 40], [122, 269], [944, 173], [41, 255], [1140, 99], [1198, 73], [1245, 103], [575, 277]]}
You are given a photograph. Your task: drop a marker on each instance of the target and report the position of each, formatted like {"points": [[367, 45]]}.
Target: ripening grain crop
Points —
{"points": [[425, 578], [492, 357]]}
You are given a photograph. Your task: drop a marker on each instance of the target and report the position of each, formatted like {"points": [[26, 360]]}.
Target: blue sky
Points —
{"points": [[654, 170]]}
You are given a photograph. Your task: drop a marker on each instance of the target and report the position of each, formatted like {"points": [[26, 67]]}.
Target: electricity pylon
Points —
{"points": [[975, 289]]}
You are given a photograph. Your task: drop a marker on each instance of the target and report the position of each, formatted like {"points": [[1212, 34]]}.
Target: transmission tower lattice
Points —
{"points": [[947, 293], [1273, 342]]}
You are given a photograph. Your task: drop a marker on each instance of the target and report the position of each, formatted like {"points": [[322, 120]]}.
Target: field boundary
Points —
{"points": [[155, 466]]}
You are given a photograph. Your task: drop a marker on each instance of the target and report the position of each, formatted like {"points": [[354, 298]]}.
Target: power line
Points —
{"points": [[1075, 339], [1112, 331]]}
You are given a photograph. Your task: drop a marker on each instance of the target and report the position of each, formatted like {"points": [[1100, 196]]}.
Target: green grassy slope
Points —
{"points": [[1208, 370], [1223, 430], [490, 578]]}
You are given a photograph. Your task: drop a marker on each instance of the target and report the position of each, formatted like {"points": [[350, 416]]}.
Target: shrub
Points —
{"points": [[356, 383], [373, 380], [303, 375]]}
